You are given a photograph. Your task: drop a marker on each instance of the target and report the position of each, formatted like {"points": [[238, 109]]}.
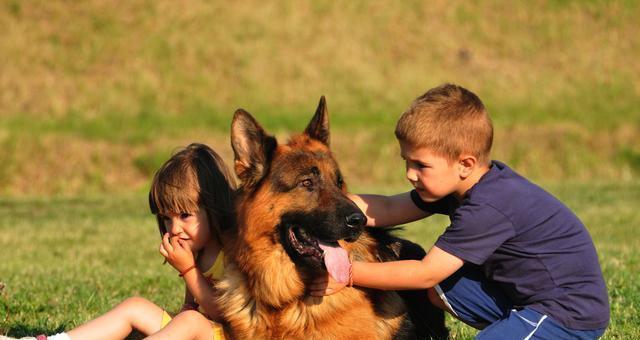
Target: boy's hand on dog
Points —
{"points": [[177, 252], [325, 285]]}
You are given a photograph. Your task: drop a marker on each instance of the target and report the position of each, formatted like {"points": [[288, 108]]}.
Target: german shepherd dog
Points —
{"points": [[294, 222]]}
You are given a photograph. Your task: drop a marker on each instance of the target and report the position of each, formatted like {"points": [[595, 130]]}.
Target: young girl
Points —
{"points": [[192, 198]]}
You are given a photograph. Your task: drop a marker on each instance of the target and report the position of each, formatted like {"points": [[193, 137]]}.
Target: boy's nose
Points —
{"points": [[411, 174]]}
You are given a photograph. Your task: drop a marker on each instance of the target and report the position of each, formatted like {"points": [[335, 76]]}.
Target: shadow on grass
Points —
{"points": [[18, 331]]}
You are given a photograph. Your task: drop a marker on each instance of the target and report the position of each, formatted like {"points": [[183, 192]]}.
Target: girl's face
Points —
{"points": [[190, 227]]}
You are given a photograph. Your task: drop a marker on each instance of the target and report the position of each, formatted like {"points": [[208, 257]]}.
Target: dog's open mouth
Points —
{"points": [[303, 243], [334, 257]]}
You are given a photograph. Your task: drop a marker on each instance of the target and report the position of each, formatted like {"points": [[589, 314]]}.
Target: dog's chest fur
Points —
{"points": [[347, 314]]}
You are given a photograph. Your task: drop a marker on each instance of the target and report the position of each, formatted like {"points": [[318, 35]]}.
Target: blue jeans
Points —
{"points": [[481, 304]]}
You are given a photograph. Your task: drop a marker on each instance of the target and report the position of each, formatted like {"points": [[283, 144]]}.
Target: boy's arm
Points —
{"points": [[436, 266], [384, 211]]}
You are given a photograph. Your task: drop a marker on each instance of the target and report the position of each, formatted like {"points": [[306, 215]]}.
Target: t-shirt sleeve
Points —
{"points": [[442, 206], [476, 231]]}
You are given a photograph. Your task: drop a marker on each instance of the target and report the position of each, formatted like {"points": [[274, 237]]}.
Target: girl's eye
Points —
{"points": [[185, 215]]}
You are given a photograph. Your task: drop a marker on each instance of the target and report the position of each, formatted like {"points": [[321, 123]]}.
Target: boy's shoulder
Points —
{"points": [[503, 183], [515, 197]]}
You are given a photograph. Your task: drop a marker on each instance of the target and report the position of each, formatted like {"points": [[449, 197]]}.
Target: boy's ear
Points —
{"points": [[318, 127], [252, 148], [467, 164]]}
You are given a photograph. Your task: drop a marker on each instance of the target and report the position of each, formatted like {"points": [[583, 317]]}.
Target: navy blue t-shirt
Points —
{"points": [[529, 243]]}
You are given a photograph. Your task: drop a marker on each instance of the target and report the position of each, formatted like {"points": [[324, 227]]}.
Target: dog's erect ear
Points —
{"points": [[252, 148], [318, 128]]}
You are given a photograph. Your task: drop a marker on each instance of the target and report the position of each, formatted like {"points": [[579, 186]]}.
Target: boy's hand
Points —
{"points": [[177, 252], [325, 285]]}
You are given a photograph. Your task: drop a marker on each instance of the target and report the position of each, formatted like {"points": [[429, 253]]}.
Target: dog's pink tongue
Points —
{"points": [[337, 261]]}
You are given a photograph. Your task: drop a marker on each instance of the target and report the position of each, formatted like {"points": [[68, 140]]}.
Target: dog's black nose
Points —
{"points": [[356, 220]]}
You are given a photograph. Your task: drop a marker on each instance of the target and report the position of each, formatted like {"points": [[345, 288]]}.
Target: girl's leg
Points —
{"points": [[187, 325], [117, 323]]}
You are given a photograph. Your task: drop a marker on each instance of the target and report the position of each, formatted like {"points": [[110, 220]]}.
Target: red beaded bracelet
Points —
{"points": [[186, 271]]}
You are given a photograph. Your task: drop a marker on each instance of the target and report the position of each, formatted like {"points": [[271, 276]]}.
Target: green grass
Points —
{"points": [[66, 260], [95, 95]]}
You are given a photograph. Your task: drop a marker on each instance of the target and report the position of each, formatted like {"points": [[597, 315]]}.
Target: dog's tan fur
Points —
{"points": [[263, 292]]}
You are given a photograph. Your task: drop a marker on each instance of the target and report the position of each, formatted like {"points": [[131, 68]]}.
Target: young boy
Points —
{"points": [[515, 262]]}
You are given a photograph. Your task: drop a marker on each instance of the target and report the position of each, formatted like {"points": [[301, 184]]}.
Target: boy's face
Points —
{"points": [[431, 175]]}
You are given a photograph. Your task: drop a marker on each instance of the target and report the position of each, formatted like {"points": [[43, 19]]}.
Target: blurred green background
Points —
{"points": [[94, 95]]}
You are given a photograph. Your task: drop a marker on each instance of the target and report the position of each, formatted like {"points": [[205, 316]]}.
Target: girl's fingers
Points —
{"points": [[175, 242], [178, 244], [184, 244], [166, 242], [163, 251]]}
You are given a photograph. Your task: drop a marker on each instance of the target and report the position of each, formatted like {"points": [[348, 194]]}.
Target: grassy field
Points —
{"points": [[65, 261]]}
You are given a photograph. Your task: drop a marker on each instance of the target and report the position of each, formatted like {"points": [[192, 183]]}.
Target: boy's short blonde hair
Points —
{"points": [[450, 121]]}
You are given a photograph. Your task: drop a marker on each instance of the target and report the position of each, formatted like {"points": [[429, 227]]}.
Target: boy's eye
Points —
{"points": [[419, 165], [185, 215]]}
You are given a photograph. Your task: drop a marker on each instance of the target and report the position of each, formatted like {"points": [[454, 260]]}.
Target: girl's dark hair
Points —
{"points": [[194, 178]]}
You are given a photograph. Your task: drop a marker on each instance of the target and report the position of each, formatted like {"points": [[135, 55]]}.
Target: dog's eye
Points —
{"points": [[340, 182], [307, 183]]}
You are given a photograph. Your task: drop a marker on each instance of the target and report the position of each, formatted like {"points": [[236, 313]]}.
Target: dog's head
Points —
{"points": [[293, 195]]}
